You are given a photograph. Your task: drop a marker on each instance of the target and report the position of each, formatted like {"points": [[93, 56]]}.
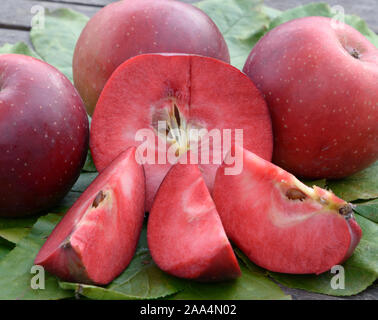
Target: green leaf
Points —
{"points": [[361, 270], [89, 165], [312, 9], [271, 12], [19, 48], [362, 185], [15, 267], [7, 223], [142, 279], [250, 286], [55, 43], [323, 9], [368, 210], [241, 23], [14, 235], [5, 247], [84, 181]]}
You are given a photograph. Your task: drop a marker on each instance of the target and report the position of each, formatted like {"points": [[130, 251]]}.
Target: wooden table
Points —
{"points": [[15, 18]]}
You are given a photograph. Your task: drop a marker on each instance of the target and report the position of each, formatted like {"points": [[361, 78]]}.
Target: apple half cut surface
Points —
{"points": [[280, 223], [96, 239], [184, 93], [184, 232]]}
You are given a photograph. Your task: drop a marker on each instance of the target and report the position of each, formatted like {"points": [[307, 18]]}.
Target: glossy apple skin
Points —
{"points": [[125, 29], [277, 231], [323, 101], [43, 135]]}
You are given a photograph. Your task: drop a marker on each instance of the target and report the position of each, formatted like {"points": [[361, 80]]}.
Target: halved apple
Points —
{"points": [[184, 92], [280, 223]]}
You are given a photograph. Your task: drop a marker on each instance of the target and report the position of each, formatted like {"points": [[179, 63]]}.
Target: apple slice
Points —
{"points": [[96, 239], [185, 234], [185, 92], [280, 223]]}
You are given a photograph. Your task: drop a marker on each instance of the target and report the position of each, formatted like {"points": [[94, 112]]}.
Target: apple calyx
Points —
{"points": [[355, 53], [177, 131]]}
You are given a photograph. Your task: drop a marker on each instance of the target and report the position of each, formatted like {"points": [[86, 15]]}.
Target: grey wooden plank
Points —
{"points": [[17, 13], [99, 3], [370, 293], [366, 9], [14, 36]]}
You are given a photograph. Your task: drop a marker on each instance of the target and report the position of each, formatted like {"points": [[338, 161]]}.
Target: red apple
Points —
{"points": [[281, 224], [125, 29], [184, 92], [320, 80], [43, 135], [97, 238], [185, 234]]}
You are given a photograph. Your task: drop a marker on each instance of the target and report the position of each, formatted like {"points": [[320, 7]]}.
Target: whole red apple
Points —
{"points": [[43, 135], [125, 29], [320, 80]]}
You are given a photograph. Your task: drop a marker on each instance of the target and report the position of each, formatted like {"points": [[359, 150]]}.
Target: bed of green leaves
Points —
{"points": [[242, 23]]}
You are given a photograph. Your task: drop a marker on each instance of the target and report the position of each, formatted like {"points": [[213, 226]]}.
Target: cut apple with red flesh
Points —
{"points": [[280, 223], [97, 237], [185, 234], [185, 92]]}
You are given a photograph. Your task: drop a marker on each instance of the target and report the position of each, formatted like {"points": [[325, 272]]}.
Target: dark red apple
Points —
{"points": [[43, 135], [320, 80], [185, 234], [280, 223], [96, 239], [125, 29], [183, 92]]}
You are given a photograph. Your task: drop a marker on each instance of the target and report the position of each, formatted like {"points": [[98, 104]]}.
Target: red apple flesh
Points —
{"points": [[97, 238], [185, 234], [321, 86], [43, 135], [280, 223], [125, 29], [184, 91]]}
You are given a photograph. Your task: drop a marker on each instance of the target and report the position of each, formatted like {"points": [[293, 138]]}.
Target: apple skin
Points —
{"points": [[323, 101], [125, 29], [43, 135]]}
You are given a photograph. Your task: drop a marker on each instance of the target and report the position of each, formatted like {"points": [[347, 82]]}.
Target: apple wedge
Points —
{"points": [[96, 239], [280, 223], [185, 234]]}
